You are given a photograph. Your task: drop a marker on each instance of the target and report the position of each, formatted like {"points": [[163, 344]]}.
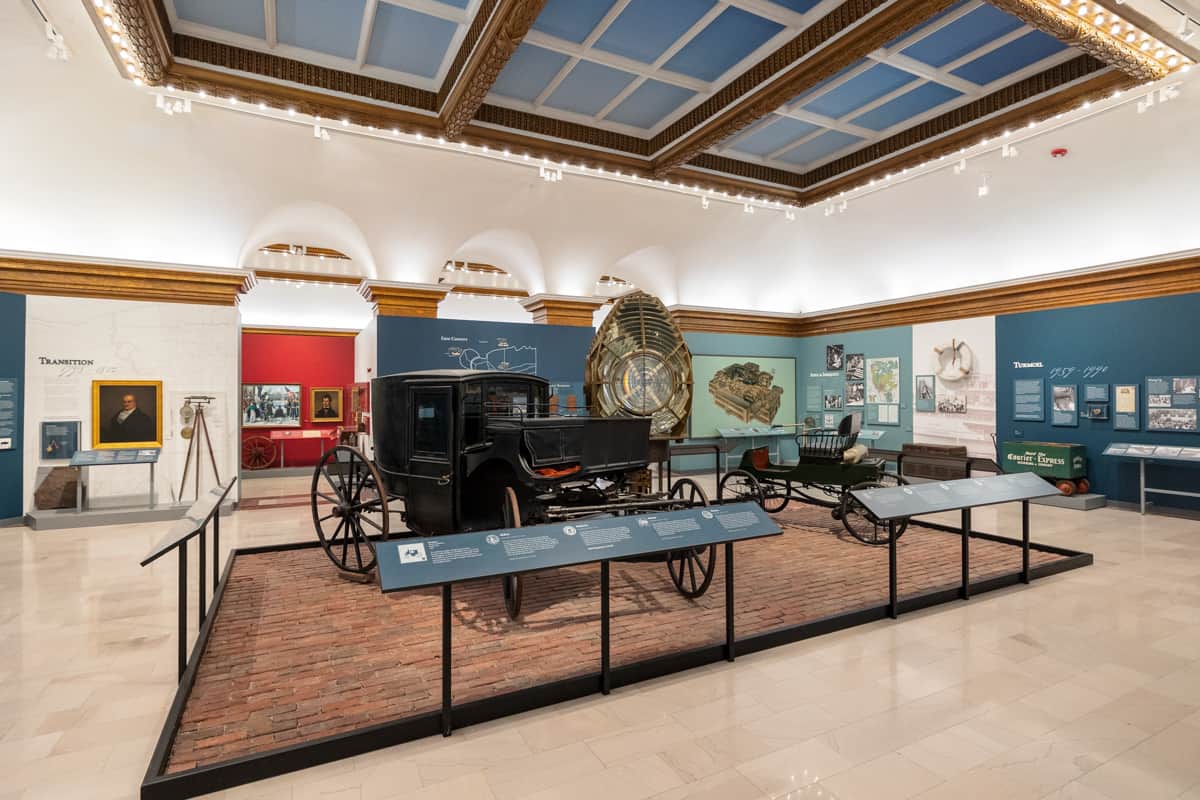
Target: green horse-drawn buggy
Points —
{"points": [[831, 464]]}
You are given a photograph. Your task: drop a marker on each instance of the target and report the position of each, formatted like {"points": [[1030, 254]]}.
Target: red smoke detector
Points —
{"points": [[1058, 152]]}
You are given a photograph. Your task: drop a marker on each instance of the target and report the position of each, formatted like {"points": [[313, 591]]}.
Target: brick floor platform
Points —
{"points": [[298, 653]]}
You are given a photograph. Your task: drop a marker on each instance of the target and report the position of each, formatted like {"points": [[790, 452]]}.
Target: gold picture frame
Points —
{"points": [[142, 427], [316, 401]]}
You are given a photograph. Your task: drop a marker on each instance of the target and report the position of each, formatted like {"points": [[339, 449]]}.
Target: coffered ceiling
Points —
{"points": [[790, 99]]}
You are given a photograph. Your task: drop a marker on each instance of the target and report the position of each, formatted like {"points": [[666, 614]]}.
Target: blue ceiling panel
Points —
{"points": [[588, 88], [528, 72], [727, 40], [649, 104], [860, 90], [456, 3], [799, 6], [1029, 49], [935, 18], [646, 28], [237, 16], [819, 147], [326, 26], [826, 82], [572, 20], [962, 36], [769, 137], [906, 106], [409, 41]]}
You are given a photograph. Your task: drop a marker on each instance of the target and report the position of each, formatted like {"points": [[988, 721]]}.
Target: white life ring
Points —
{"points": [[954, 360]]}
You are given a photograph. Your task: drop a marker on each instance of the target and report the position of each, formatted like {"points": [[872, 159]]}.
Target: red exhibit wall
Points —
{"points": [[307, 359]]}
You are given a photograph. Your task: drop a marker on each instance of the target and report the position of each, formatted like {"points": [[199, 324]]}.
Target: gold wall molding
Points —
{"points": [[309, 277], [299, 331], [115, 281], [550, 309], [403, 299]]}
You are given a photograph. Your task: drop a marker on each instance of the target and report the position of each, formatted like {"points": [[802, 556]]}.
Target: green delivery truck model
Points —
{"points": [[1064, 465]]}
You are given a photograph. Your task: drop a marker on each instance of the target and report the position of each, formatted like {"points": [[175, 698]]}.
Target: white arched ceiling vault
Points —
{"points": [[310, 223], [96, 171]]}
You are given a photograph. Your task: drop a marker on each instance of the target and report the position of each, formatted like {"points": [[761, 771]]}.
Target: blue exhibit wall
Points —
{"points": [[1125, 342], [12, 365], [556, 352], [884, 342]]}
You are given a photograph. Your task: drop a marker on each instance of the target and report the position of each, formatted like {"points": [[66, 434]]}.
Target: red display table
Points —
{"points": [[326, 435]]}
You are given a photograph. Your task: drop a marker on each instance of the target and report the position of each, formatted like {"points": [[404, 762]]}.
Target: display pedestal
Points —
{"points": [[1077, 502], [65, 518]]}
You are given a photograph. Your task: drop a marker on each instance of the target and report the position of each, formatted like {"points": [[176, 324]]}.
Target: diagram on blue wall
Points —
{"points": [[502, 358]]}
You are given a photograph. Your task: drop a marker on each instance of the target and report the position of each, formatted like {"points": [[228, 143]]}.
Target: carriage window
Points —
{"points": [[473, 421], [431, 423], [516, 399]]}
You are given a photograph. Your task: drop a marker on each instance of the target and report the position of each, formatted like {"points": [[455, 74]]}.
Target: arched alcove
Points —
{"points": [[509, 249], [652, 269], [313, 224]]}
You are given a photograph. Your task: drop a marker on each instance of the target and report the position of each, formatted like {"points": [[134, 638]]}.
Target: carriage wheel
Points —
{"points": [[776, 496], [349, 504], [691, 569], [512, 585], [258, 452], [739, 486], [861, 523]]}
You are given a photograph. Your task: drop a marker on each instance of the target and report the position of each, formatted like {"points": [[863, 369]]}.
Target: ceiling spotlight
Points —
{"points": [[1184, 30], [960, 167], [829, 209], [790, 214], [1009, 151], [345, 122], [747, 208], [58, 50], [704, 203], [984, 190]]}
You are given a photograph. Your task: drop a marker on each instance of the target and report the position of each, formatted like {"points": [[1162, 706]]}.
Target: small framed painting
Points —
{"points": [[325, 404], [926, 393], [126, 414]]}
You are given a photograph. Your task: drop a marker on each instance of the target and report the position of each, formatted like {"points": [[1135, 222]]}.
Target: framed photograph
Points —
{"points": [[856, 366], [926, 393], [1125, 409], [835, 356], [126, 414], [736, 391], [1183, 385], [1064, 405], [270, 405], [325, 404], [883, 380], [855, 393], [1171, 419], [1097, 411], [952, 403], [60, 439], [833, 401]]}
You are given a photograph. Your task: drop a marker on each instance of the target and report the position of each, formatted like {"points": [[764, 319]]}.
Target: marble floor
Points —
{"points": [[1084, 686]]}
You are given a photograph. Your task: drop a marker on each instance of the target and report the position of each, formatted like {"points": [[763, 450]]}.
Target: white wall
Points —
{"points": [[99, 172], [366, 352], [973, 429], [191, 349]]}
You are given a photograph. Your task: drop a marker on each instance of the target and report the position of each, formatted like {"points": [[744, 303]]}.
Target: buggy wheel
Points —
{"points": [[349, 505], [861, 523], [776, 496], [692, 568], [258, 452], [512, 585], [739, 486]]}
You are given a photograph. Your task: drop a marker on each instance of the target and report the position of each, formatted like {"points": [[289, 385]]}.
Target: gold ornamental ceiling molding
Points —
{"points": [[342, 332], [394, 299], [62, 277], [307, 277], [1171, 274], [505, 29]]}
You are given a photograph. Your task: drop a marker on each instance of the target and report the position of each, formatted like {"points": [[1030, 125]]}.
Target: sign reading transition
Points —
{"points": [[435, 560]]}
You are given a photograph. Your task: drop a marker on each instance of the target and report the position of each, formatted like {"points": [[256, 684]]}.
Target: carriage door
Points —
{"points": [[431, 490]]}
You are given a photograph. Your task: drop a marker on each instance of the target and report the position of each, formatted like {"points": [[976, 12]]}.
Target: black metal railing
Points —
{"points": [[194, 524]]}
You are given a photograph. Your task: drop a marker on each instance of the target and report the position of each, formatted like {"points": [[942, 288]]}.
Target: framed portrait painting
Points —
{"points": [[325, 404], [126, 414]]}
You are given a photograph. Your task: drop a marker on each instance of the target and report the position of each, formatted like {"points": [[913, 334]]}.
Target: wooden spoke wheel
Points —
{"points": [[349, 505], [513, 586], [258, 452], [776, 496], [739, 486], [692, 568], [861, 523]]}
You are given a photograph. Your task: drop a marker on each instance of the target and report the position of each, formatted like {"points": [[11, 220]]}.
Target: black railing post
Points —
{"points": [[605, 632], [202, 572], [893, 605], [1024, 541], [446, 687], [966, 554], [182, 606], [729, 634], [216, 547]]}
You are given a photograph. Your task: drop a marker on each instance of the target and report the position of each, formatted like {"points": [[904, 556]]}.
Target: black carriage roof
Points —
{"points": [[462, 375]]}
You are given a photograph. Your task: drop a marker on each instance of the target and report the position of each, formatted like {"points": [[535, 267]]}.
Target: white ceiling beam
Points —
{"points": [[272, 28], [952, 17], [995, 44], [596, 33], [922, 70], [462, 16], [827, 122], [573, 50], [364, 33]]}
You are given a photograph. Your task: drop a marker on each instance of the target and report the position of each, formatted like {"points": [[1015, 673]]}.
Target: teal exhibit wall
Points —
{"points": [[555, 352], [1112, 343], [811, 372], [12, 368]]}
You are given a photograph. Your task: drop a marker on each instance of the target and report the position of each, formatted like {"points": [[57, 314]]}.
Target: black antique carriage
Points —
{"points": [[471, 451]]}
